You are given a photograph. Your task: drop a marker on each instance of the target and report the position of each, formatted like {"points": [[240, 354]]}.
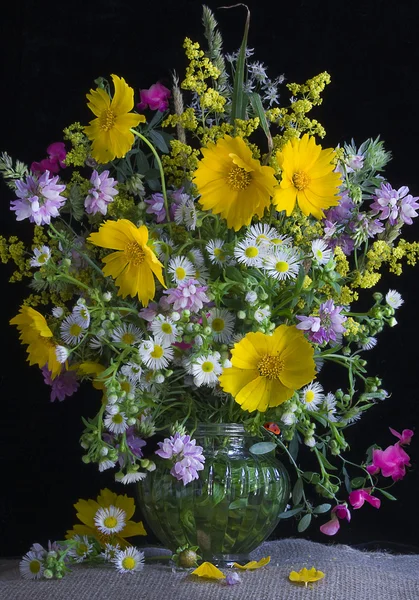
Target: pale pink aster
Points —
{"points": [[189, 295], [62, 386], [101, 193], [187, 456], [39, 199], [395, 205]]}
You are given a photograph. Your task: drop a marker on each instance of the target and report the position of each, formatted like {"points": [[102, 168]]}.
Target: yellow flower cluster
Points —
{"points": [[365, 280], [187, 120], [212, 101], [199, 69], [77, 156], [347, 296], [124, 206], [352, 327], [14, 249], [342, 264], [180, 163]]}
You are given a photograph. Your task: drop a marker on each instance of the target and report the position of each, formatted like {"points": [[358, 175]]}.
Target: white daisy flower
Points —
{"points": [[129, 560], [133, 477], [156, 353], [329, 406], [57, 312], [110, 520], [106, 464], [61, 353], [164, 328], [96, 343], [249, 253], [116, 423], [127, 333], [216, 252], [288, 418], [221, 322], [82, 315], [312, 395], [132, 371], [30, 566], [261, 314], [181, 269], [185, 214], [128, 385], [205, 370], [110, 551], [195, 255], [40, 256], [281, 240], [82, 550], [71, 331], [369, 343], [321, 252], [394, 299], [283, 263], [261, 233], [201, 274]]}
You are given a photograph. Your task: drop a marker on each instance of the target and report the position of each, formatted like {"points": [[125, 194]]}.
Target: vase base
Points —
{"points": [[227, 560]]}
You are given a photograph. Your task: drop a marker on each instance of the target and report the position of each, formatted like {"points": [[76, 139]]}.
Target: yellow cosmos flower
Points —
{"points": [[134, 264], [232, 183], [87, 510], [34, 332], [253, 564], [307, 178], [208, 571], [110, 131], [267, 369], [306, 576]]}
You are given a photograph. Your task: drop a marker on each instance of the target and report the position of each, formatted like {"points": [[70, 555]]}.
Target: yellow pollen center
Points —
{"points": [[128, 563], [75, 330], [128, 338], [281, 266], [276, 241], [270, 367], [301, 180], [117, 418], [238, 179], [251, 252], [34, 566], [207, 366], [135, 253], [218, 324], [81, 550], [42, 258], [126, 386], [157, 352], [180, 273], [166, 328], [309, 396], [107, 120], [110, 522]]}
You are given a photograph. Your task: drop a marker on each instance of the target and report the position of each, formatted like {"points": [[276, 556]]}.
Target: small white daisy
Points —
{"points": [[82, 315], [61, 353], [321, 253], [394, 299], [57, 312], [249, 253], [261, 233], [369, 343], [30, 566], [261, 314], [312, 395], [281, 241], [129, 560], [181, 269], [282, 263], [106, 464], [96, 343], [128, 385], [164, 328], [132, 371], [251, 297], [195, 255], [201, 274], [329, 406], [110, 520], [216, 252], [82, 550], [40, 256], [110, 551], [205, 370], [127, 333], [116, 423], [185, 214], [71, 331], [133, 477], [221, 322], [156, 353]]}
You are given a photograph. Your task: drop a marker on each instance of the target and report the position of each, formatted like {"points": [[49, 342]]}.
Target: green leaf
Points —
{"points": [[141, 162], [159, 141], [347, 480], [260, 112], [358, 482], [311, 477], [233, 274], [262, 447], [76, 201], [238, 103], [297, 492], [325, 462], [322, 508], [304, 523], [239, 503], [217, 493], [387, 495], [294, 446], [287, 514]]}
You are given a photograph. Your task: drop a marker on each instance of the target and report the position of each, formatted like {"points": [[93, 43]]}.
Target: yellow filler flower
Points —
{"points": [[34, 332], [110, 131], [134, 263], [267, 369], [232, 183], [307, 178]]}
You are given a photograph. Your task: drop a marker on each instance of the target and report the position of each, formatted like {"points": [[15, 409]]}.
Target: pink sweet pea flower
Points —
{"points": [[155, 98], [358, 497], [55, 161], [405, 436], [340, 511], [391, 461]]}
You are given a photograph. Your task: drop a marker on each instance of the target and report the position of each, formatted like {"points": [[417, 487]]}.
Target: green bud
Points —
{"points": [[86, 459], [241, 315], [48, 574]]}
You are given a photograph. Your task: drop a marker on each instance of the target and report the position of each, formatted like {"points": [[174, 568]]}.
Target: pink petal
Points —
{"points": [[331, 527]]}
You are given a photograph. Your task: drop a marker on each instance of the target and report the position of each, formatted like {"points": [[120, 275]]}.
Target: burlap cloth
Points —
{"points": [[349, 574]]}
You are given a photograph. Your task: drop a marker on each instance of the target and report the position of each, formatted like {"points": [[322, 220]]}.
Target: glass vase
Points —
{"points": [[233, 506]]}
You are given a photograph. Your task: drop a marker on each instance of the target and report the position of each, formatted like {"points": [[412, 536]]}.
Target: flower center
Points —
{"points": [[128, 338], [166, 328], [180, 273], [110, 522], [75, 330], [251, 252], [238, 179], [218, 324], [270, 366], [281, 266], [135, 253], [107, 120], [128, 563], [42, 258], [157, 352], [117, 418], [82, 549], [34, 566], [207, 366], [126, 386], [309, 396], [301, 180]]}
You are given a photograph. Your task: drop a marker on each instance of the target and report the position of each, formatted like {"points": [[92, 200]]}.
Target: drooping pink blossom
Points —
{"points": [[340, 511], [54, 162], [155, 98], [405, 436], [391, 462], [357, 498]]}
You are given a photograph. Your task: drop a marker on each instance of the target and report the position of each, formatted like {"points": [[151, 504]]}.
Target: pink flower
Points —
{"points": [[101, 193], [391, 461], [55, 161], [156, 98], [340, 511], [358, 497], [405, 436]]}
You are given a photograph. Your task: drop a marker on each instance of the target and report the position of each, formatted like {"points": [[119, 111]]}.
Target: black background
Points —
{"points": [[51, 53]]}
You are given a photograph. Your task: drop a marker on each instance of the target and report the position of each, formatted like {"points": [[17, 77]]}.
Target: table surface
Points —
{"points": [[349, 573]]}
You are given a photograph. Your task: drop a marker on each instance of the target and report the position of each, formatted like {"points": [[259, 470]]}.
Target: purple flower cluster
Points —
{"points": [[156, 204], [39, 199], [65, 384], [189, 295], [326, 327], [188, 458], [398, 206], [101, 193]]}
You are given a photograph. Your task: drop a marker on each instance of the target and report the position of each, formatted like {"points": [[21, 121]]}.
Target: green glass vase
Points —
{"points": [[233, 506]]}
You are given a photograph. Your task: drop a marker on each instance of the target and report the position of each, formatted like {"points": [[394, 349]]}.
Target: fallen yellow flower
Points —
{"points": [[209, 571], [306, 576], [252, 565]]}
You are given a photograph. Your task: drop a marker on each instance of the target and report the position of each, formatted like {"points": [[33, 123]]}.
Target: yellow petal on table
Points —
{"points": [[306, 576], [209, 571], [253, 564]]}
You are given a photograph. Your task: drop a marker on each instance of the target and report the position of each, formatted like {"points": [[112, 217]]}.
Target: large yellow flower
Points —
{"points": [[87, 510], [34, 332], [267, 369], [110, 131], [134, 263], [307, 178], [232, 183]]}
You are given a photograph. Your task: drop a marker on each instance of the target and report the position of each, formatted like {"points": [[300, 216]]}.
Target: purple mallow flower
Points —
{"points": [[326, 326], [155, 98], [65, 384], [54, 162], [395, 205], [189, 295], [134, 442], [101, 193], [39, 199], [156, 203], [186, 456]]}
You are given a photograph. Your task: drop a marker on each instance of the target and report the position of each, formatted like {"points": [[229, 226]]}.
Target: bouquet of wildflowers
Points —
{"points": [[199, 257]]}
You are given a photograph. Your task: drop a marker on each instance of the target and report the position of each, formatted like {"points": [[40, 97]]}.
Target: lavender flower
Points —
{"points": [[343, 212], [189, 295], [395, 205], [100, 194], [134, 442], [156, 206], [39, 199], [326, 327], [188, 458], [65, 384]]}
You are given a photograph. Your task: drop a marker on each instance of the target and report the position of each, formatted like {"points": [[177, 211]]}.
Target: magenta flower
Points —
{"points": [[398, 206], [187, 457], [357, 498], [189, 295], [405, 436], [65, 384], [55, 161], [392, 462], [38, 199], [155, 98], [326, 327], [340, 511], [101, 193]]}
